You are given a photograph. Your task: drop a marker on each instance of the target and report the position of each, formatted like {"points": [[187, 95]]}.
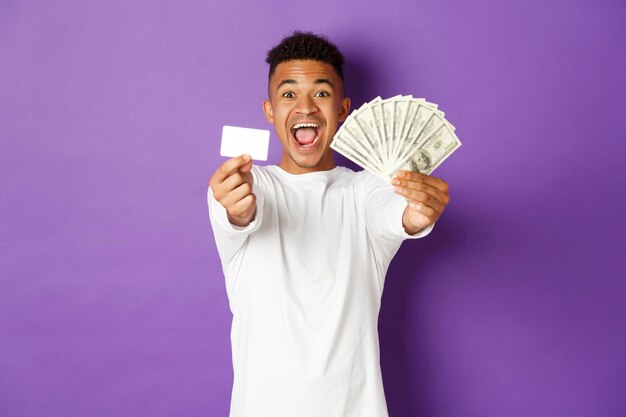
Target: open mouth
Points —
{"points": [[306, 134]]}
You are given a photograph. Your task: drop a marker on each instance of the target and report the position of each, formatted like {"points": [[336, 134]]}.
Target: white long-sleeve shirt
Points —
{"points": [[304, 282]]}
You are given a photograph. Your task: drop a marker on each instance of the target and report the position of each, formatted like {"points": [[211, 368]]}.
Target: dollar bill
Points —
{"points": [[358, 158], [439, 146], [367, 126], [422, 121], [359, 148], [400, 132], [387, 117]]}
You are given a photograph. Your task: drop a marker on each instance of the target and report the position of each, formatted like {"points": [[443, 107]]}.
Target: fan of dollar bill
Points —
{"points": [[402, 132]]}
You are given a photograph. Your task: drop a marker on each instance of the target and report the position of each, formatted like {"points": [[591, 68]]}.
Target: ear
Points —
{"points": [[269, 111], [344, 108]]}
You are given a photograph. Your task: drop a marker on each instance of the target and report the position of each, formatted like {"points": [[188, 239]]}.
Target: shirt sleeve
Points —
{"points": [[383, 215], [229, 238]]}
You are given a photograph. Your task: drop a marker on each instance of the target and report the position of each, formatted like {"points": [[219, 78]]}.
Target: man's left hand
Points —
{"points": [[426, 197]]}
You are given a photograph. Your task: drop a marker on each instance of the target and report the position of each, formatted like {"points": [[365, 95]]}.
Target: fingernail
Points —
{"points": [[246, 157]]}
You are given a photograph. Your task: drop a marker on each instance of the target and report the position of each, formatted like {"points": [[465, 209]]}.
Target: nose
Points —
{"points": [[306, 105]]}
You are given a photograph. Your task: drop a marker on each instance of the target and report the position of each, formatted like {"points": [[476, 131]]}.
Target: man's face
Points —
{"points": [[305, 105]]}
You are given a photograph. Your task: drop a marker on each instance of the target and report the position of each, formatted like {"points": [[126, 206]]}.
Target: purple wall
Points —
{"points": [[112, 300]]}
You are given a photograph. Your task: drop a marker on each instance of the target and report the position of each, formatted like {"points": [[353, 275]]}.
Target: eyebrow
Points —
{"points": [[316, 82]]}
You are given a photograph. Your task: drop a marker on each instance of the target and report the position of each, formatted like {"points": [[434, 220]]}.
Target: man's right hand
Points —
{"points": [[232, 188]]}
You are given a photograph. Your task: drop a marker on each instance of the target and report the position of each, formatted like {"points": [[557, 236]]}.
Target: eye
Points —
{"points": [[322, 94], [288, 94]]}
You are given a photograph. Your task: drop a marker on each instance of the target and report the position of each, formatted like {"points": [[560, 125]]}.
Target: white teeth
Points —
{"points": [[299, 125]]}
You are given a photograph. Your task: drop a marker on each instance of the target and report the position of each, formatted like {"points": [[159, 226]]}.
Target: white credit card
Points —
{"points": [[242, 140]]}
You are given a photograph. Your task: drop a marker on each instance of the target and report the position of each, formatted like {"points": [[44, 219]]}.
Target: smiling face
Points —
{"points": [[305, 105]]}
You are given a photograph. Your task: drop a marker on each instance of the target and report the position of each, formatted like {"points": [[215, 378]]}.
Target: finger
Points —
{"points": [[232, 182], [236, 195], [229, 167], [429, 212], [247, 167], [242, 207], [420, 186], [420, 197], [428, 179], [222, 189]]}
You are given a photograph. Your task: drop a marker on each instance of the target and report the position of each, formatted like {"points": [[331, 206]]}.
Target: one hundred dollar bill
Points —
{"points": [[400, 132]]}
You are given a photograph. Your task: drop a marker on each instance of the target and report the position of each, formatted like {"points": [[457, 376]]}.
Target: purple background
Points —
{"points": [[112, 301]]}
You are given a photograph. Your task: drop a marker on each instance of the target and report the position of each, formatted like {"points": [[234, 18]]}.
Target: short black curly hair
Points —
{"points": [[305, 46]]}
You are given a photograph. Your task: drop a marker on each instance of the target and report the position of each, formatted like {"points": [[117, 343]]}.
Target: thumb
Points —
{"points": [[246, 167]]}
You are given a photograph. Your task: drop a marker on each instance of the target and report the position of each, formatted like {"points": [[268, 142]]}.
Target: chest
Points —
{"points": [[313, 209]]}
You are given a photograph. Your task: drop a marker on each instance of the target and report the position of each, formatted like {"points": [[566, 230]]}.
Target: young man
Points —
{"points": [[305, 246]]}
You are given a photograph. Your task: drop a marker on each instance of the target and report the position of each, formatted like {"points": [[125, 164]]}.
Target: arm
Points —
{"points": [[384, 211], [234, 210]]}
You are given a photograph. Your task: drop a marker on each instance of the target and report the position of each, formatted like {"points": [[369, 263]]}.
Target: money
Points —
{"points": [[400, 132]]}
